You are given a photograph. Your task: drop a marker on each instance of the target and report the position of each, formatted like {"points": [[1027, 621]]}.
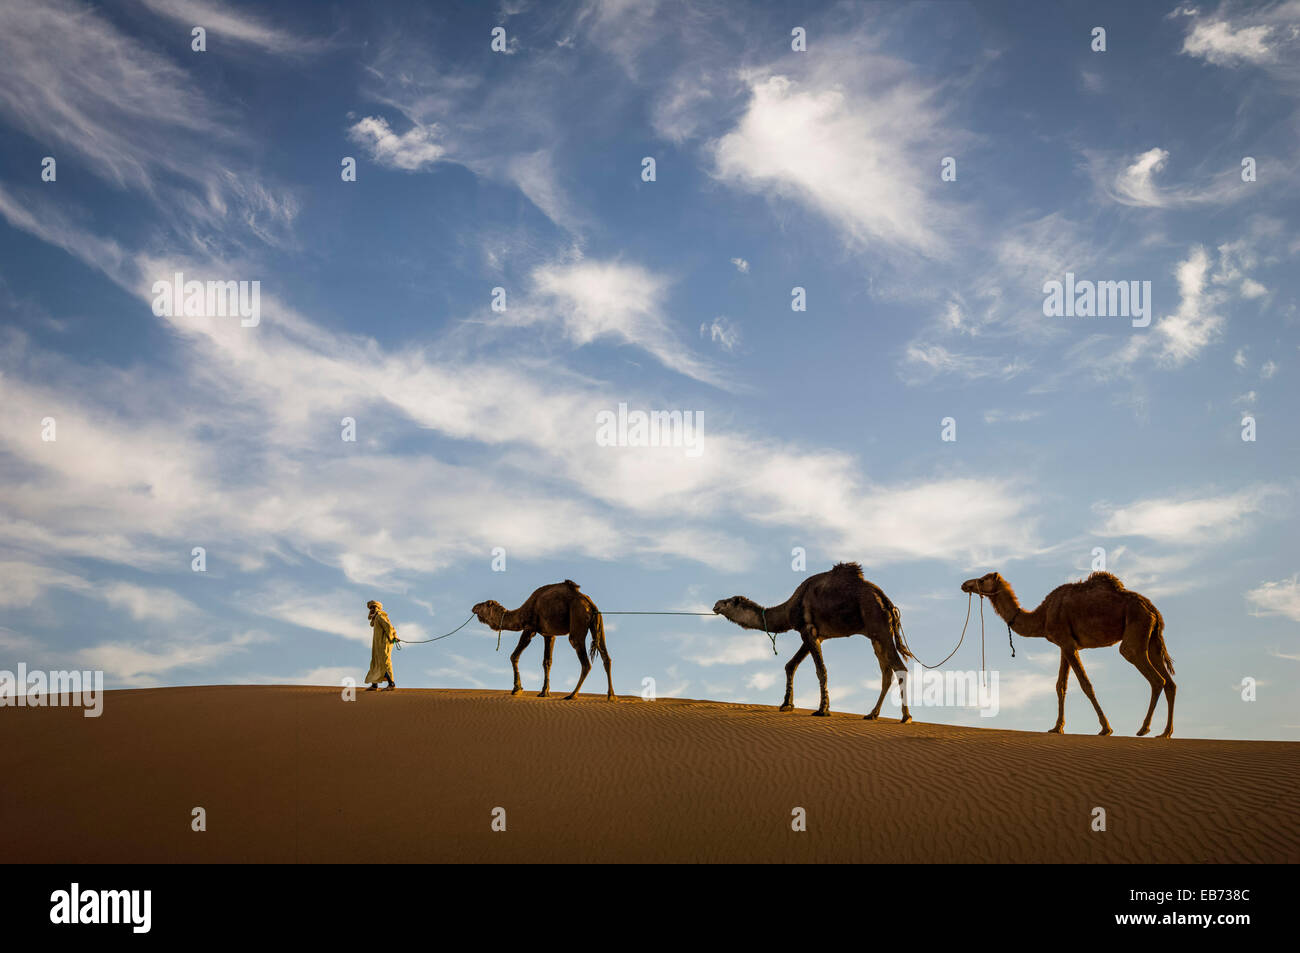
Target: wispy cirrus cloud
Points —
{"points": [[238, 25], [1133, 181], [134, 118]]}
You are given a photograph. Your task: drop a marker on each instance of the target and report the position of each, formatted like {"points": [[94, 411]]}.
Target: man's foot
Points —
{"points": [[389, 687], [373, 688]]}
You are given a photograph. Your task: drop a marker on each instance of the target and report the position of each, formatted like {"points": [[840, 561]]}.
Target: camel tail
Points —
{"points": [[896, 627], [597, 629], [1158, 640]]}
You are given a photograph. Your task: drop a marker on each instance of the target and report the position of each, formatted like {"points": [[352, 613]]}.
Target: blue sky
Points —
{"points": [[475, 428]]}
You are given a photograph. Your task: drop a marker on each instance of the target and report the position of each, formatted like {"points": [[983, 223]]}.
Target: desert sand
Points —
{"points": [[289, 773]]}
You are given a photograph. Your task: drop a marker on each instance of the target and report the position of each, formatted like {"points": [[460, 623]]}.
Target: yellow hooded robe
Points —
{"points": [[381, 645]]}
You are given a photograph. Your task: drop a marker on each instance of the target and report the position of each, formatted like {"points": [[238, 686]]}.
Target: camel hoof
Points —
{"points": [[1056, 730], [1167, 733], [610, 698], [1105, 731], [543, 694], [786, 707], [905, 720], [571, 696], [515, 691], [872, 717], [1143, 730], [821, 714]]}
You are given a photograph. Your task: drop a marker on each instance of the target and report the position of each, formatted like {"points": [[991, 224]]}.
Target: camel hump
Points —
{"points": [[1100, 578], [852, 569], [571, 584]]}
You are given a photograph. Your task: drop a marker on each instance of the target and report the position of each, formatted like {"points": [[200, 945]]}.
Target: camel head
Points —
{"points": [[489, 612], [987, 585], [742, 611]]}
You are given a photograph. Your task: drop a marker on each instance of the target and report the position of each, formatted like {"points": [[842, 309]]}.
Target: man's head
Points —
{"points": [[374, 607]]}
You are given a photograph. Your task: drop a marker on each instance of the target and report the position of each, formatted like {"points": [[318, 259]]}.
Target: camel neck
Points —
{"points": [[1020, 620], [776, 617]]}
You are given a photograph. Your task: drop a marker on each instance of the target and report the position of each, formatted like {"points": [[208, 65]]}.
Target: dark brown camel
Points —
{"points": [[831, 605], [1091, 614], [554, 610]]}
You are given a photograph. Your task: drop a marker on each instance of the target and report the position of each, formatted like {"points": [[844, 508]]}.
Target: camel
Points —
{"points": [[831, 605], [1091, 614], [558, 609]]}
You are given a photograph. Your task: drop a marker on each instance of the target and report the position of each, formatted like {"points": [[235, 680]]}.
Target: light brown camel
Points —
{"points": [[558, 609], [831, 605], [1091, 614]]}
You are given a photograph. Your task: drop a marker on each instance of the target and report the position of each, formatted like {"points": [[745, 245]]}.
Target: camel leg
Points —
{"points": [[1076, 663], [1158, 663], [1062, 683], [897, 665], [1134, 649], [790, 667], [886, 679], [609, 673], [889, 668], [1141, 647], [546, 666], [576, 641], [815, 650], [524, 639]]}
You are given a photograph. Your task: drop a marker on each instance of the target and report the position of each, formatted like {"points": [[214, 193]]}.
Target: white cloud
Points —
{"points": [[1250, 288], [742, 266], [146, 602], [729, 649], [721, 332], [1183, 520], [1276, 598], [411, 151], [128, 664], [1221, 42], [850, 139], [26, 582], [1186, 332], [594, 300]]}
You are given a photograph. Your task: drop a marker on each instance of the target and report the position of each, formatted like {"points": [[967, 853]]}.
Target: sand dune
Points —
{"points": [[297, 774]]}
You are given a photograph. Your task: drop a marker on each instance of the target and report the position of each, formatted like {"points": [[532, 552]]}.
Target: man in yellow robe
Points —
{"points": [[381, 648]]}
